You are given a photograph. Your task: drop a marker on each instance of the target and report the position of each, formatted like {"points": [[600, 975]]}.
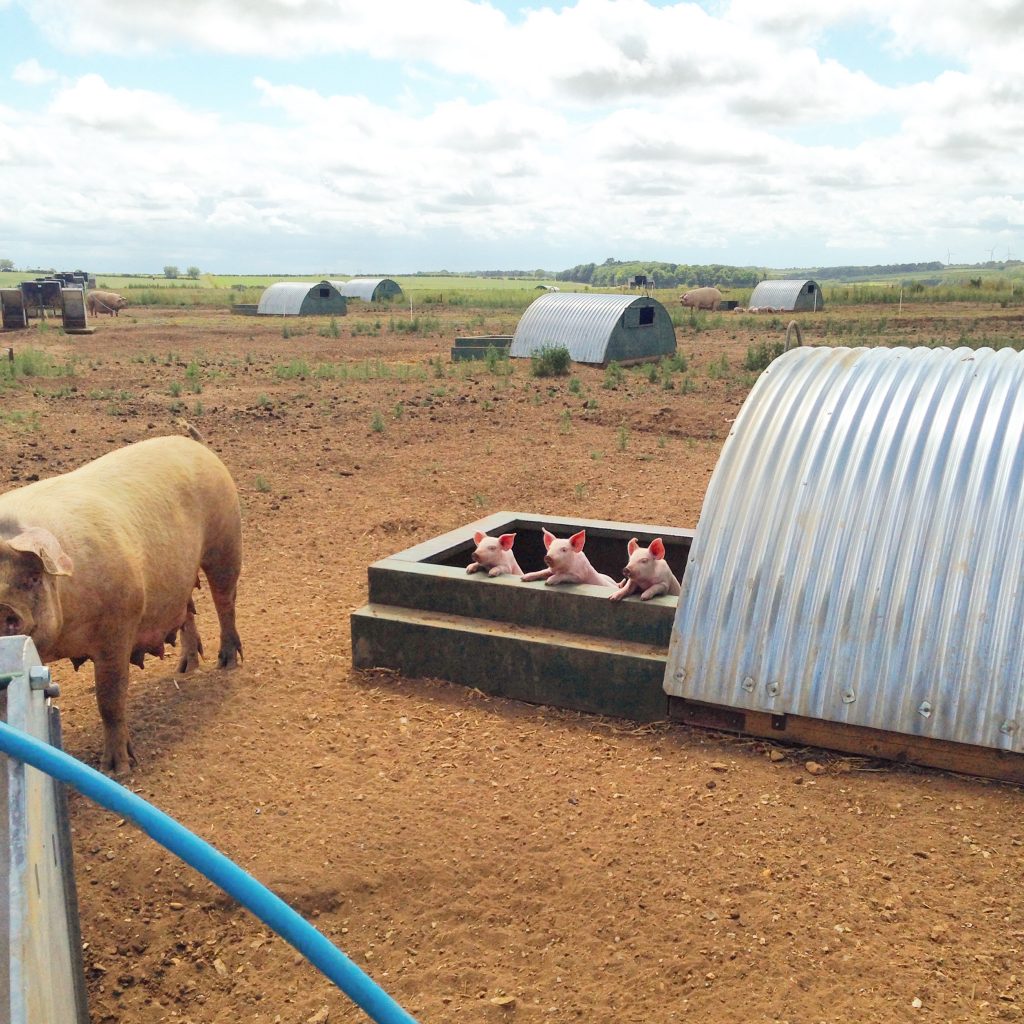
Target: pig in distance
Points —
{"points": [[100, 563], [105, 302], [702, 298]]}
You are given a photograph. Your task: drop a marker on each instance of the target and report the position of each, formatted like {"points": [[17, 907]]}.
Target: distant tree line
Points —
{"points": [[618, 273], [878, 270]]}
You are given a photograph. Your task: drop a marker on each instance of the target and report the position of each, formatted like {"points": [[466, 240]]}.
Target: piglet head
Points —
{"points": [[643, 561], [490, 550], [563, 553]]}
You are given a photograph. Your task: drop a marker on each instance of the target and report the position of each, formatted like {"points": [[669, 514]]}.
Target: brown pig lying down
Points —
{"points": [[100, 564]]}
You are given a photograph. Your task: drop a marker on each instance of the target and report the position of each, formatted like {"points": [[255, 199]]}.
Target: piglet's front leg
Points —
{"points": [[540, 574]]}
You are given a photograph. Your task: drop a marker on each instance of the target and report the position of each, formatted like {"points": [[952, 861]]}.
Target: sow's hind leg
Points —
{"points": [[191, 644], [222, 577]]}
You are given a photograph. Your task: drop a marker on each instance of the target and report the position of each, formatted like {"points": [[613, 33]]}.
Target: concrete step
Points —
{"points": [[528, 662]]}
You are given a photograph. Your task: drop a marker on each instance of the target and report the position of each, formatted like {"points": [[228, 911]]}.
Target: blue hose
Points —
{"points": [[270, 909]]}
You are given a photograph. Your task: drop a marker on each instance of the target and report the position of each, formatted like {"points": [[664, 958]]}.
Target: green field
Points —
{"points": [[1002, 287]]}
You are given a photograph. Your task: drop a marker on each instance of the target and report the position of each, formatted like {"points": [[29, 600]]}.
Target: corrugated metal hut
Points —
{"points": [[301, 298], [858, 557], [787, 296], [596, 328], [369, 289]]}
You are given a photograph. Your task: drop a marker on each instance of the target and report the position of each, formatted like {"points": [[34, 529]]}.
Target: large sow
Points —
{"points": [[100, 563]]}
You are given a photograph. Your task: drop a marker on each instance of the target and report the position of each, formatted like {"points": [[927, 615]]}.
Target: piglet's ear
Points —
{"points": [[548, 538], [577, 540], [478, 536], [632, 545], [42, 543], [657, 548], [506, 540]]}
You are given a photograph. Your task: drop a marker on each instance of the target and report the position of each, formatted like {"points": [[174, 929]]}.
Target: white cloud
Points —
{"points": [[608, 123], [31, 72], [128, 113]]}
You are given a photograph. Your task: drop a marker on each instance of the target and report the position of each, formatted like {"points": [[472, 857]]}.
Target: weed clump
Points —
{"points": [[550, 361], [614, 375], [759, 356]]}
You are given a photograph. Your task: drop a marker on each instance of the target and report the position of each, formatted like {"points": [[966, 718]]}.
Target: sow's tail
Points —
{"points": [[187, 428]]}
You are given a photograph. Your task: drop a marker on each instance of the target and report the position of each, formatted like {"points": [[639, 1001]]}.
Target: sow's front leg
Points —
{"points": [[111, 669], [222, 576]]}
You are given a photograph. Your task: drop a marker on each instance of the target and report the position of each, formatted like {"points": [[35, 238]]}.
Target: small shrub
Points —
{"points": [[291, 370], [622, 439], [174, 390], [565, 422], [576, 386], [550, 361], [719, 368], [759, 356], [377, 423], [263, 400], [261, 485], [613, 376]]}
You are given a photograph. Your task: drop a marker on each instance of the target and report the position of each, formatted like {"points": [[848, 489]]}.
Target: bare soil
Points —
{"points": [[486, 860]]}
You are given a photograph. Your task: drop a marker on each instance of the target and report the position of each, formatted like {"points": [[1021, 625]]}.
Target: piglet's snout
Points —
{"points": [[11, 622]]}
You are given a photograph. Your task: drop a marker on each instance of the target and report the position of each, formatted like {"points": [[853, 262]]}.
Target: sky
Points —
{"points": [[395, 136]]}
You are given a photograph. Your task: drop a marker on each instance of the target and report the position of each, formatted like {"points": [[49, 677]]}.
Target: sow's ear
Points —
{"points": [[42, 543]]}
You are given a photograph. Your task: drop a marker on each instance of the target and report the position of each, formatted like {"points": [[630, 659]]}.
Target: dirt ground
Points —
{"points": [[485, 861]]}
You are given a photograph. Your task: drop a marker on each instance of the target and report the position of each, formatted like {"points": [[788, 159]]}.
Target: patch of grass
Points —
{"points": [[176, 407], [262, 485], [576, 386], [193, 374], [377, 423], [550, 361], [292, 369], [614, 375], [719, 368], [622, 438], [759, 356], [331, 330], [497, 363], [565, 422], [398, 412], [21, 420], [31, 362]]}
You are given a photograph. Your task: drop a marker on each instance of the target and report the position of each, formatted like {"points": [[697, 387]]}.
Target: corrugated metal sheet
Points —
{"points": [[369, 289], [788, 295], [859, 552], [593, 327], [284, 298]]}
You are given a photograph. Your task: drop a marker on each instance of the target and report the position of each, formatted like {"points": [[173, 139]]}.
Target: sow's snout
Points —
{"points": [[14, 622]]}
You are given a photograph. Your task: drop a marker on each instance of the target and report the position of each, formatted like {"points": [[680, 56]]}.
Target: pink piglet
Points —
{"points": [[646, 572], [566, 563], [494, 554]]}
